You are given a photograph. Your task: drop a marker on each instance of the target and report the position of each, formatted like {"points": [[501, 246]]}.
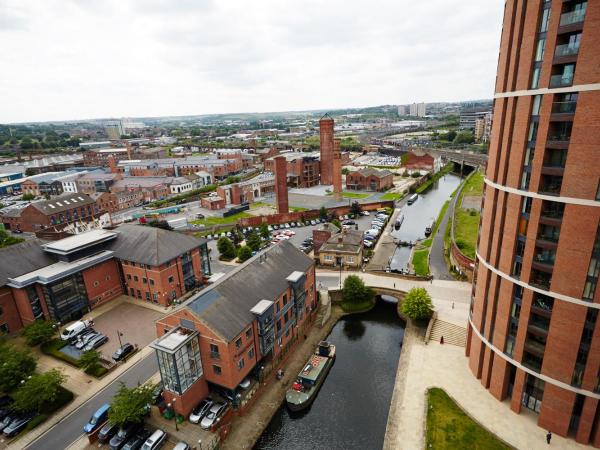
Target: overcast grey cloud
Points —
{"points": [[79, 59]]}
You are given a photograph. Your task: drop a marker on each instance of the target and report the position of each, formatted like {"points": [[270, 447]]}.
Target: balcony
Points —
{"points": [[561, 80], [564, 107], [550, 185], [556, 171], [540, 279], [565, 53], [558, 141], [573, 17]]}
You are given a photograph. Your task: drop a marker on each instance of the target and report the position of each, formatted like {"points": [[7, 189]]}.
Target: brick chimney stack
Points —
{"points": [[281, 192], [337, 170], [112, 164], [326, 136], [128, 147]]}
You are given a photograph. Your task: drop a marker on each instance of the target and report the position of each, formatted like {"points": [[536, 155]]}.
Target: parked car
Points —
{"points": [[181, 446], [349, 222], [97, 419], [156, 440], [136, 442], [368, 244], [123, 351], [313, 222], [245, 384], [85, 339], [16, 426], [201, 410], [74, 329], [364, 213], [7, 421], [123, 435], [369, 237], [215, 412], [107, 432], [96, 342], [372, 232]]}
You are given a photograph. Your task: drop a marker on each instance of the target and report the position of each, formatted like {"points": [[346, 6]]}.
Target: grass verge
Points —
{"points": [[448, 427], [352, 195], [210, 221], [392, 196], [420, 262], [357, 307], [52, 348], [422, 188]]}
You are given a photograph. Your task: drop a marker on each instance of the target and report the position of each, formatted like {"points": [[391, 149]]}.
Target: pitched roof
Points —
{"points": [[63, 203], [225, 306], [19, 259], [351, 242], [151, 245], [377, 173]]}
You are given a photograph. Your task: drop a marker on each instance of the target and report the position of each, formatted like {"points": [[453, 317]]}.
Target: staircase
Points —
{"points": [[453, 334]]}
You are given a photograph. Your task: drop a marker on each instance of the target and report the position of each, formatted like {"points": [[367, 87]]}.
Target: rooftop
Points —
{"points": [[173, 339], [349, 241], [79, 241], [226, 306]]}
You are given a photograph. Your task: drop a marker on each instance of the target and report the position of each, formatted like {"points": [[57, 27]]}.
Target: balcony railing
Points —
{"points": [[561, 80], [550, 187], [566, 50], [564, 107], [572, 17]]}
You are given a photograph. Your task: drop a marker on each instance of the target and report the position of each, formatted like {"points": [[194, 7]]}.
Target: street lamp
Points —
{"points": [[175, 412], [119, 334]]}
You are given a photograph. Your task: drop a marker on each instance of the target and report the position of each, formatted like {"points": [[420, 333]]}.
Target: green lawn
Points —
{"points": [[298, 209], [448, 427], [357, 307], [209, 221], [392, 196], [352, 195], [257, 205], [420, 262], [466, 224]]}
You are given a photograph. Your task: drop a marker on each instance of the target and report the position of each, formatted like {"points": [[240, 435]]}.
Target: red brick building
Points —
{"points": [[247, 318], [370, 180], [212, 202], [533, 334], [58, 212], [62, 280], [420, 160], [303, 169]]}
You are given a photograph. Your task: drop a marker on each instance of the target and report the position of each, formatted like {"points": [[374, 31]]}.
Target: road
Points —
{"points": [[67, 431]]}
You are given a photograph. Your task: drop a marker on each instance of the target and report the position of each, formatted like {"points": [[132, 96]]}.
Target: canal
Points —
{"points": [[420, 215], [351, 409]]}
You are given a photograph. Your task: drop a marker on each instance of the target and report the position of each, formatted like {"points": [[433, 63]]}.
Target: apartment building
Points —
{"points": [[303, 169], [370, 180], [533, 333], [227, 331]]}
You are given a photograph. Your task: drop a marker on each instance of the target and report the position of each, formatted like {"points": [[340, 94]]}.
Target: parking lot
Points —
{"points": [[300, 234], [119, 318]]}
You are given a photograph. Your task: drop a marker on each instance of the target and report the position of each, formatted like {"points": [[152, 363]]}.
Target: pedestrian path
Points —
{"points": [[437, 262], [423, 366], [452, 334]]}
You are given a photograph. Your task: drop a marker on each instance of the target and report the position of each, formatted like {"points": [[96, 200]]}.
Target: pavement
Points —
{"points": [[435, 365], [437, 262]]}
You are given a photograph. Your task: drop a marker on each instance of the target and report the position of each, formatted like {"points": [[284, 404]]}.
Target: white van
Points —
{"points": [[155, 441], [74, 329], [372, 232]]}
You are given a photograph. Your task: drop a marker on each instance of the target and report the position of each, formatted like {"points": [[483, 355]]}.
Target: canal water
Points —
{"points": [[351, 409], [421, 214]]}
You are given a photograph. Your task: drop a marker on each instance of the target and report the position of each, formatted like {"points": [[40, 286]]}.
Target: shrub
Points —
{"points": [[244, 253], [39, 332], [417, 304], [38, 391], [226, 247], [356, 292], [15, 365]]}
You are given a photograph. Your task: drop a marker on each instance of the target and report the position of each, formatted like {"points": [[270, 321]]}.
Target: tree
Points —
{"points": [[355, 209], [253, 241], [130, 405], [244, 253], [6, 239], [337, 223], [226, 247], [264, 231], [15, 365], [39, 332], [355, 291], [450, 136], [464, 137], [345, 171], [38, 391], [27, 197], [323, 213], [90, 360], [417, 304]]}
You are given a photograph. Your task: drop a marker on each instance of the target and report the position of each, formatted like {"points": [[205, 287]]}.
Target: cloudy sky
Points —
{"points": [[78, 59]]}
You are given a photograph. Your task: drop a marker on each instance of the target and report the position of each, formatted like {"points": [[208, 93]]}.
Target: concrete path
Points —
{"points": [[451, 299], [437, 262], [445, 366]]}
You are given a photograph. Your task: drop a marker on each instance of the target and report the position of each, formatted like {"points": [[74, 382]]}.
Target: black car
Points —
{"points": [[122, 352], [16, 426], [135, 442], [123, 435], [107, 432], [6, 421]]}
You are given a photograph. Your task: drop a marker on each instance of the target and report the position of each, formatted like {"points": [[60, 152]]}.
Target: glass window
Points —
{"points": [[539, 51], [171, 279], [216, 369], [241, 364], [537, 103], [238, 343], [545, 20], [248, 333], [535, 79], [251, 353]]}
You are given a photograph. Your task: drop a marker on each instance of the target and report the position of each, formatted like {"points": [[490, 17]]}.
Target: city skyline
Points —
{"points": [[125, 59]]}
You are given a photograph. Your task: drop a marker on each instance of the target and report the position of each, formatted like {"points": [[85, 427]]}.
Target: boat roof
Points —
{"points": [[313, 368]]}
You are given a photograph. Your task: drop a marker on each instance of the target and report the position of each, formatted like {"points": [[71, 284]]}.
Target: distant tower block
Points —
{"points": [[281, 192], [326, 135], [337, 169]]}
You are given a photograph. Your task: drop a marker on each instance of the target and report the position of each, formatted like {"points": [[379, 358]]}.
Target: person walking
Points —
{"points": [[548, 437]]}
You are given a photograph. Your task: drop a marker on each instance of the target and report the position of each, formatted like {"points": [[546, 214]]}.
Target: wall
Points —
{"points": [[102, 282], [9, 314]]}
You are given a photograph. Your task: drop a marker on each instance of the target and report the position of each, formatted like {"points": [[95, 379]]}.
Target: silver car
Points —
{"points": [[201, 410], [215, 412]]}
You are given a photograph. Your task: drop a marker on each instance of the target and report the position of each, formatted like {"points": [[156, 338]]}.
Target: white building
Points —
{"points": [[418, 109], [69, 182], [114, 130], [181, 185]]}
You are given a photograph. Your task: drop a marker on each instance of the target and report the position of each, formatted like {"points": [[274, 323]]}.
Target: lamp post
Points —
{"points": [[175, 412], [119, 334], [341, 264]]}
